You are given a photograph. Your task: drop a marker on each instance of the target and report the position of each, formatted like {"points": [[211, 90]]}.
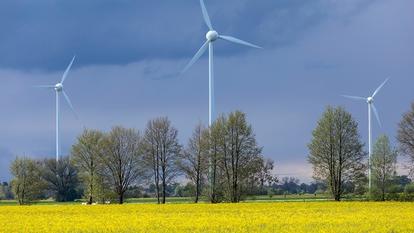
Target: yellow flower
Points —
{"points": [[205, 218]]}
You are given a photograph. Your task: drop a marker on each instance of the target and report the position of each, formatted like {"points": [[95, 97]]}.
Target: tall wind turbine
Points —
{"points": [[211, 36], [59, 90], [370, 102]]}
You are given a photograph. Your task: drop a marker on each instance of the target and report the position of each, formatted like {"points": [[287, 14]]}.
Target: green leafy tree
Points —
{"points": [[384, 159], [235, 156], [85, 156], [61, 178], [336, 152], [27, 184], [215, 173]]}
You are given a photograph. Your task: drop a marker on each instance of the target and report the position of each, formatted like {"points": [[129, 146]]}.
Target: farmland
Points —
{"points": [[242, 217]]}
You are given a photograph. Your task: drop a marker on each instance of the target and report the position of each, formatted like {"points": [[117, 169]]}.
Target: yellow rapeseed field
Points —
{"points": [[245, 217]]}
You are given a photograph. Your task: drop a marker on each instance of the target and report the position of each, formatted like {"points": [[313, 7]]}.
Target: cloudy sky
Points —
{"points": [[128, 52]]}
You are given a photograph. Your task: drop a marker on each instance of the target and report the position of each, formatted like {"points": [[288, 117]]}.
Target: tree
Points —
{"points": [[162, 150], [261, 182], [195, 159], [384, 160], [242, 156], [406, 136], [265, 175], [335, 151], [122, 159], [6, 191], [85, 155], [27, 183], [235, 152], [215, 139], [61, 178], [290, 185]]}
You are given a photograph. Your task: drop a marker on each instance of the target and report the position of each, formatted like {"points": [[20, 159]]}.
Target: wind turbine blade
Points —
{"points": [[238, 41], [44, 86], [69, 103], [205, 15], [67, 70], [354, 97], [196, 56], [376, 114], [379, 88]]}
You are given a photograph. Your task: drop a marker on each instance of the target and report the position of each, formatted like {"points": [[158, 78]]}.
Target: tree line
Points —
{"points": [[337, 156], [222, 163]]}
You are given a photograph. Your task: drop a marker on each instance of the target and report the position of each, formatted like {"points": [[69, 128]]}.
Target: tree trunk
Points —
{"points": [[197, 188], [164, 187], [90, 192], [121, 198], [213, 180]]}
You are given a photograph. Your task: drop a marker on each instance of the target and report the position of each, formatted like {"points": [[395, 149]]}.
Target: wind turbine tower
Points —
{"points": [[370, 101], [58, 88], [211, 37]]}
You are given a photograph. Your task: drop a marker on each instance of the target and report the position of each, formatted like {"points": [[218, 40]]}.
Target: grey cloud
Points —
{"points": [[42, 34]]}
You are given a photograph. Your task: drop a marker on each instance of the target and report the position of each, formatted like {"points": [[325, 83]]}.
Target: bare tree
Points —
{"points": [[122, 159], [336, 152], [265, 175], [384, 160], [195, 159], [406, 136], [162, 152], [85, 155], [152, 151]]}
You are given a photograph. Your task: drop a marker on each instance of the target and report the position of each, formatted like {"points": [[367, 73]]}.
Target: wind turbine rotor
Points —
{"points": [[379, 88], [58, 87], [197, 56], [205, 15], [238, 41], [376, 114], [67, 70], [354, 97], [212, 36], [371, 106], [45, 86], [70, 103]]}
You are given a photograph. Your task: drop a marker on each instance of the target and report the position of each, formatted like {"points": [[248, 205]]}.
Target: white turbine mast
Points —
{"points": [[211, 36], [59, 90], [370, 101]]}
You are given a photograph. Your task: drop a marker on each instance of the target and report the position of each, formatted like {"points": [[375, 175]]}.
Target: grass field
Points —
{"points": [[242, 217], [187, 200]]}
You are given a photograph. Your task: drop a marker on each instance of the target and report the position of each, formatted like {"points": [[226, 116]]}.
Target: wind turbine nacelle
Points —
{"points": [[212, 35], [370, 100], [59, 87]]}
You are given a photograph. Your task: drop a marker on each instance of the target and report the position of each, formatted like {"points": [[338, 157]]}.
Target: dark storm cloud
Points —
{"points": [[129, 52], [44, 34]]}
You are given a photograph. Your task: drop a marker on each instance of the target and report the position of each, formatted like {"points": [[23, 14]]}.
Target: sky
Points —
{"points": [[128, 53]]}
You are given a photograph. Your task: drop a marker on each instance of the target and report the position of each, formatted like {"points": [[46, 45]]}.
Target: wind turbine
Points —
{"points": [[370, 102], [59, 90], [211, 36]]}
